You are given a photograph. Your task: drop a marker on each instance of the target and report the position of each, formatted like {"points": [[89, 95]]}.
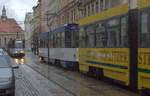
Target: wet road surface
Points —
{"points": [[38, 79]]}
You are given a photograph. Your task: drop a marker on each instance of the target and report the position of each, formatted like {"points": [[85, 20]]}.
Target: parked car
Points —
{"points": [[2, 52], [7, 78]]}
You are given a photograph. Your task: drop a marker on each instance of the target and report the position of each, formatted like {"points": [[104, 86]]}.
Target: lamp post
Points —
{"points": [[49, 25]]}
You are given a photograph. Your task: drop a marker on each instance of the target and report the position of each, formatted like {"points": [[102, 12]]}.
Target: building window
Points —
{"points": [[116, 3], [85, 12], [5, 42], [88, 10], [93, 9], [97, 7], [101, 5], [74, 14], [107, 4]]}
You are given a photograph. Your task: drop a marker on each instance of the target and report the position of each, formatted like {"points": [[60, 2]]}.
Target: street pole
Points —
{"points": [[47, 14], [48, 46], [48, 35]]}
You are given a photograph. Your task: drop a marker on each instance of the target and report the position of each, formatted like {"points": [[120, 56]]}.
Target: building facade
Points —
{"points": [[49, 8], [36, 19], [9, 29], [36, 29], [90, 7], [28, 30], [57, 13], [70, 11]]}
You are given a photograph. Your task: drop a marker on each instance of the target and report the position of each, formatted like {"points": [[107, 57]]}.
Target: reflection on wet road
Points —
{"points": [[19, 60], [31, 83]]}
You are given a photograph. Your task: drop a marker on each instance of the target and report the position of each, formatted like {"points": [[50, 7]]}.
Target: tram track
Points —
{"points": [[68, 91], [29, 89], [68, 78]]}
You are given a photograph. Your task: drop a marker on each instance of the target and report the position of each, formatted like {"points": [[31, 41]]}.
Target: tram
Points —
{"points": [[16, 48], [144, 46], [61, 47], [116, 44], [106, 51]]}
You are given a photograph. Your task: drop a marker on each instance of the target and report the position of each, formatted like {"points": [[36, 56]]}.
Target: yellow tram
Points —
{"points": [[113, 61], [144, 45], [115, 43]]}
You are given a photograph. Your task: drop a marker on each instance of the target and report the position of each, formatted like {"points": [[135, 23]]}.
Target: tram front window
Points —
{"points": [[18, 45]]}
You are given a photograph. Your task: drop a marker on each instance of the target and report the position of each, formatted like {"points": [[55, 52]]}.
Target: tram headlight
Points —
{"points": [[16, 51], [22, 51]]}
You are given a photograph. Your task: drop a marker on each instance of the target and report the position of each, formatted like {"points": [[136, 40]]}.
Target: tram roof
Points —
{"points": [[64, 28]]}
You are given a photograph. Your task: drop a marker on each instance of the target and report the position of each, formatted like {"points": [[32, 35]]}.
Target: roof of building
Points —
{"points": [[10, 26]]}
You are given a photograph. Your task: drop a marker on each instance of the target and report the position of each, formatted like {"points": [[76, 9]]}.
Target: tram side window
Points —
{"points": [[59, 37], [113, 34], [60, 40], [46, 43], [63, 39], [57, 40], [68, 39], [39, 43], [56, 43], [42, 43], [75, 38], [91, 37], [101, 36], [82, 37], [145, 35], [54, 40], [124, 35], [51, 41]]}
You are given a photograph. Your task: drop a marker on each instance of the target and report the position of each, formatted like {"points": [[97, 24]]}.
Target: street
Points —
{"points": [[75, 47], [38, 79]]}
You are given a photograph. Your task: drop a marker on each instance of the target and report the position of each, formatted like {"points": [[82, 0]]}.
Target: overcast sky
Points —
{"points": [[17, 8]]}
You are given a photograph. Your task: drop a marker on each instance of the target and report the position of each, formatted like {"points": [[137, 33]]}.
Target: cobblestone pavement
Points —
{"points": [[31, 83], [39, 79]]}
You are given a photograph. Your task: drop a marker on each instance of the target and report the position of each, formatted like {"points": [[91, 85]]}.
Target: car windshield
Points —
{"points": [[3, 62]]}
